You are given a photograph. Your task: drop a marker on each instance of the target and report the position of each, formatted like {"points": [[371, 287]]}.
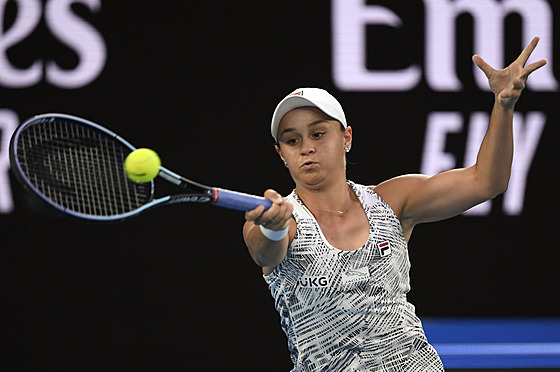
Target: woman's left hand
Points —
{"points": [[508, 83]]}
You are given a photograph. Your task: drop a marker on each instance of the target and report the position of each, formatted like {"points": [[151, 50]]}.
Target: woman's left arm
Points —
{"points": [[420, 198]]}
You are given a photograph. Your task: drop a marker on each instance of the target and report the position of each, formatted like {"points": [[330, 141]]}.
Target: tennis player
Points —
{"points": [[334, 252]]}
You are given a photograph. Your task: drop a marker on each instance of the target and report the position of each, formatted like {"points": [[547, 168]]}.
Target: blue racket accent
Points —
{"points": [[238, 201]]}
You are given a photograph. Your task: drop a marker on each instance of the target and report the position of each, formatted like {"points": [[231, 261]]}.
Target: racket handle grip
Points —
{"points": [[237, 200]]}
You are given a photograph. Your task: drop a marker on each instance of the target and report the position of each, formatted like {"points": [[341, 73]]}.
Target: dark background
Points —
{"points": [[174, 288]]}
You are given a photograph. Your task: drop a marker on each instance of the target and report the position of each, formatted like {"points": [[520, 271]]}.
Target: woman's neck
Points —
{"points": [[334, 198]]}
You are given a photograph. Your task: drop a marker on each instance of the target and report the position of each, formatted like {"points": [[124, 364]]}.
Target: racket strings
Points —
{"points": [[80, 168]]}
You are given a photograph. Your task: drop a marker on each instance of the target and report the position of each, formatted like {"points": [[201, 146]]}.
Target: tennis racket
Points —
{"points": [[77, 167]]}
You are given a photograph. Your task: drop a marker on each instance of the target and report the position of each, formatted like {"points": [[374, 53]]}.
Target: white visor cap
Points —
{"points": [[306, 97]]}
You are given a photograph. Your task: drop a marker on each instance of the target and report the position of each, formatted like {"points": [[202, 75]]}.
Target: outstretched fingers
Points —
{"points": [[519, 81], [528, 70], [526, 53], [508, 83], [483, 65]]}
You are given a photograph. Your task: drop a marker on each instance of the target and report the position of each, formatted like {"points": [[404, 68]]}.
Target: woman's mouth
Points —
{"points": [[308, 164]]}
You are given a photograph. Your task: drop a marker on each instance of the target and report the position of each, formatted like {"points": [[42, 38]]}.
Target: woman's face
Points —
{"points": [[313, 146]]}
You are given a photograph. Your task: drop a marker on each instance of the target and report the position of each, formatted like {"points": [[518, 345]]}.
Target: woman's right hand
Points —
{"points": [[277, 217]]}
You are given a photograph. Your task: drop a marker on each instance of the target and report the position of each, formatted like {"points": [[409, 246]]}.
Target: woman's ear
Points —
{"points": [[279, 151], [348, 137]]}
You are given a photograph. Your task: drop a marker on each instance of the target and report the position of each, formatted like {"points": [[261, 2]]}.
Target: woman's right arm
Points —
{"points": [[269, 233]]}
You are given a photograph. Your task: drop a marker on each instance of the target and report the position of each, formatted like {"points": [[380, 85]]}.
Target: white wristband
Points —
{"points": [[273, 234]]}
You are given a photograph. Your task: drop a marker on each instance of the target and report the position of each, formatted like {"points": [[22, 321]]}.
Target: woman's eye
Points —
{"points": [[291, 141], [318, 134]]}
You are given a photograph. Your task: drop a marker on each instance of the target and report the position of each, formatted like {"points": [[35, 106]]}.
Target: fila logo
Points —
{"points": [[384, 248]]}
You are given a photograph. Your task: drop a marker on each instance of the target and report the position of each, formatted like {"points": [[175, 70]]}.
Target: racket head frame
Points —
{"points": [[20, 174]]}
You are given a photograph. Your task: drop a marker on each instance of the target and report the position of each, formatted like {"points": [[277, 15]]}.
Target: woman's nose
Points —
{"points": [[307, 147]]}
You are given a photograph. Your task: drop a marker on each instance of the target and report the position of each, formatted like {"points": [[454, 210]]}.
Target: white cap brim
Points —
{"points": [[307, 97]]}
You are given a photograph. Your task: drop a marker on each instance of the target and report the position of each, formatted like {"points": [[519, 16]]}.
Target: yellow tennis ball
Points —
{"points": [[142, 165]]}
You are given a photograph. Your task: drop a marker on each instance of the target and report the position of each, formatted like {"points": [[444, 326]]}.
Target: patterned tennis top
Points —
{"points": [[347, 310]]}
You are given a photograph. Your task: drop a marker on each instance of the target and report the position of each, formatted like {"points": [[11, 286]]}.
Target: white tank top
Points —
{"points": [[347, 311]]}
